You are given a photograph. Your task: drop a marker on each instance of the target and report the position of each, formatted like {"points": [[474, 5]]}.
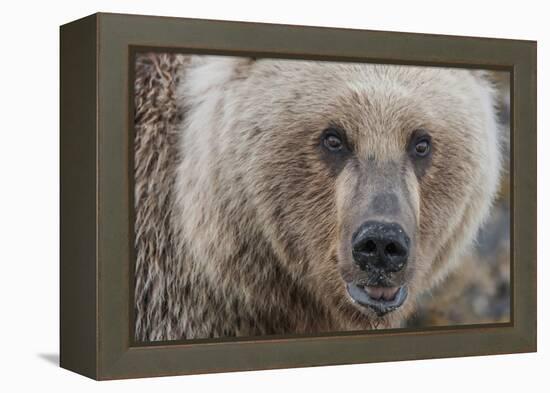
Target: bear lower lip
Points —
{"points": [[380, 299], [381, 293]]}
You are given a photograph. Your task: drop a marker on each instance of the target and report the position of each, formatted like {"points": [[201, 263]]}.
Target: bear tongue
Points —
{"points": [[386, 293]]}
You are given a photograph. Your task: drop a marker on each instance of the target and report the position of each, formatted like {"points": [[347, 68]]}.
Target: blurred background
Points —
{"points": [[479, 291]]}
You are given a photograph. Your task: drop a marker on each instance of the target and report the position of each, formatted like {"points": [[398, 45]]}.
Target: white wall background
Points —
{"points": [[29, 184]]}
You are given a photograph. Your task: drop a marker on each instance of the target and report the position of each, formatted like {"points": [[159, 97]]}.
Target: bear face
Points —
{"points": [[363, 183]]}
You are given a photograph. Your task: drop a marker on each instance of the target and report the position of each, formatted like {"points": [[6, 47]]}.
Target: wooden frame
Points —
{"points": [[96, 211]]}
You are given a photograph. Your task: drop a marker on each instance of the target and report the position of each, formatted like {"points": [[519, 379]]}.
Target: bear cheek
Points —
{"points": [[445, 195], [301, 212]]}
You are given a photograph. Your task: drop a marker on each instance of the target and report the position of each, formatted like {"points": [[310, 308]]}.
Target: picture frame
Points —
{"points": [[96, 250]]}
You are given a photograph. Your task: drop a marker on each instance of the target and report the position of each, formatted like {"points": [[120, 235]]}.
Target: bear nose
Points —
{"points": [[380, 245]]}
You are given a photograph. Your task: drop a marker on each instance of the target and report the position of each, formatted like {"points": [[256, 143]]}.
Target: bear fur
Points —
{"points": [[239, 222]]}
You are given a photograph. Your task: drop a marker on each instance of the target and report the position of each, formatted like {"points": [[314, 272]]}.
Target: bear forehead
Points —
{"points": [[373, 100], [319, 86], [324, 75]]}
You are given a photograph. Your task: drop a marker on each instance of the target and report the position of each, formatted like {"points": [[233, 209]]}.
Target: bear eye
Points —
{"points": [[332, 140], [421, 144], [422, 148]]}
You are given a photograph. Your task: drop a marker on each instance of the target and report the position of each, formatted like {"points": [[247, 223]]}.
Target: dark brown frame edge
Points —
{"points": [[96, 178], [78, 197]]}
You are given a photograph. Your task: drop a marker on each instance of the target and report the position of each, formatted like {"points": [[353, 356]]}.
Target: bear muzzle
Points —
{"points": [[380, 251]]}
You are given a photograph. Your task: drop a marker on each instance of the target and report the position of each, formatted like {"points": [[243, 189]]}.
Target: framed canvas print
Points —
{"points": [[241, 196]]}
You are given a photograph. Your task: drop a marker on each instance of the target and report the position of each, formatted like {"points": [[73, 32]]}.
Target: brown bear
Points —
{"points": [[292, 196]]}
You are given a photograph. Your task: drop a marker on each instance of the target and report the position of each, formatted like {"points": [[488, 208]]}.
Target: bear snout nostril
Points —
{"points": [[370, 247], [394, 250], [380, 245]]}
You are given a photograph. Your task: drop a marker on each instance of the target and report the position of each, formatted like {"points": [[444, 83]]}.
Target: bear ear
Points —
{"points": [[498, 86], [487, 78], [489, 83], [497, 82], [243, 66], [208, 73]]}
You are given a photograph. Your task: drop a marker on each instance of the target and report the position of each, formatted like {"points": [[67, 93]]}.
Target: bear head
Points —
{"points": [[366, 181]]}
